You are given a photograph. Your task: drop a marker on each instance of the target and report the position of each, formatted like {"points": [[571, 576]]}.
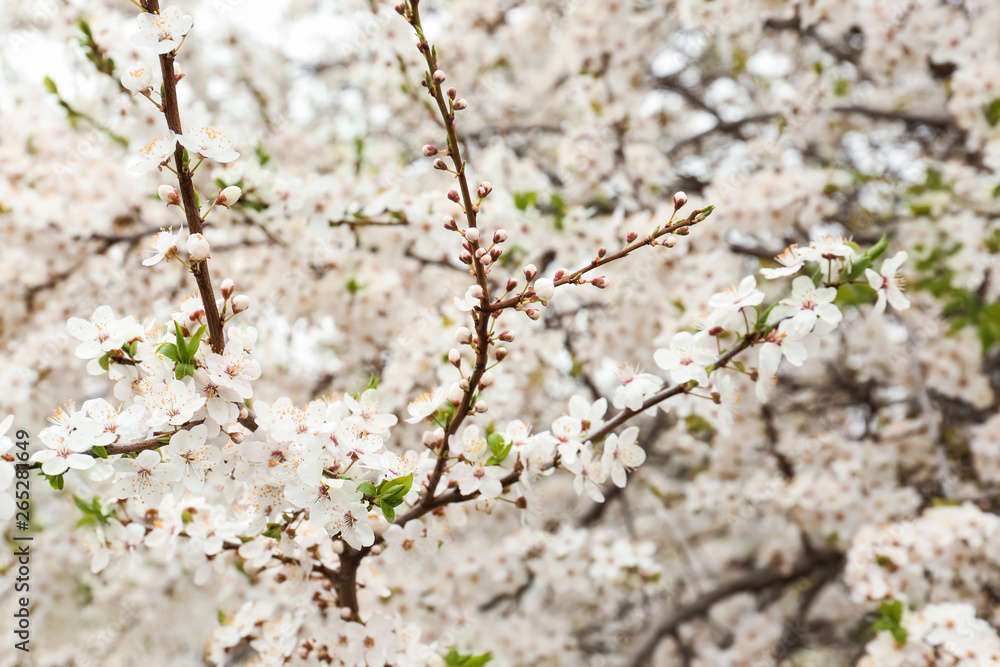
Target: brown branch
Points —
{"points": [[694, 218], [186, 186]]}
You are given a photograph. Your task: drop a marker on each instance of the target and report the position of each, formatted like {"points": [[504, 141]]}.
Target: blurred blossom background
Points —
{"points": [[785, 535]]}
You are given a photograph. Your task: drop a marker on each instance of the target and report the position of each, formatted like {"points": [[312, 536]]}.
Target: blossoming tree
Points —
{"points": [[397, 340]]}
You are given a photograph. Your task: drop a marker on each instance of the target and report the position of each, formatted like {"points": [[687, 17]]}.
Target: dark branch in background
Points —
{"points": [[754, 582]]}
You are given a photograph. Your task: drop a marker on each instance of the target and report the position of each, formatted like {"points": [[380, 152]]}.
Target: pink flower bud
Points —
{"points": [[169, 195], [679, 200], [507, 336], [683, 231], [198, 248], [631, 236], [244, 413], [240, 303], [449, 223], [601, 252], [476, 291], [511, 284], [227, 288], [530, 271], [454, 196], [472, 235], [438, 77], [559, 274], [670, 241], [463, 335], [430, 150], [452, 93], [345, 612], [400, 8], [486, 380], [499, 236], [600, 281], [481, 406], [485, 188], [454, 357], [501, 353], [237, 437], [533, 313], [463, 384], [465, 258], [455, 394], [460, 104], [495, 254], [480, 252], [440, 164]]}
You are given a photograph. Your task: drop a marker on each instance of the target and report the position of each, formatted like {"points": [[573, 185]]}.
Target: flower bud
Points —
{"points": [[472, 235], [237, 437], [198, 248], [452, 93], [495, 254], [229, 196], [601, 252], [499, 236], [460, 104], [511, 284], [560, 274], [454, 357], [169, 195], [438, 77], [485, 188], [544, 289], [454, 196], [530, 271], [631, 236], [455, 394], [670, 241], [683, 231], [463, 384], [440, 164], [486, 380], [679, 200], [463, 335], [506, 336], [429, 150], [481, 406], [227, 288], [476, 292], [400, 8], [240, 303], [244, 413], [501, 353], [449, 223], [345, 612], [600, 281], [465, 258], [533, 313]]}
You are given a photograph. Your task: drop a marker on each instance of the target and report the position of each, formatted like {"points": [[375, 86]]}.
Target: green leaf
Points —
{"points": [[105, 361], [101, 452], [522, 200], [389, 513], [57, 482], [183, 370], [50, 86], [372, 382], [893, 610], [273, 531], [992, 112], [87, 520], [368, 489], [169, 350], [221, 616], [192, 346]]}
